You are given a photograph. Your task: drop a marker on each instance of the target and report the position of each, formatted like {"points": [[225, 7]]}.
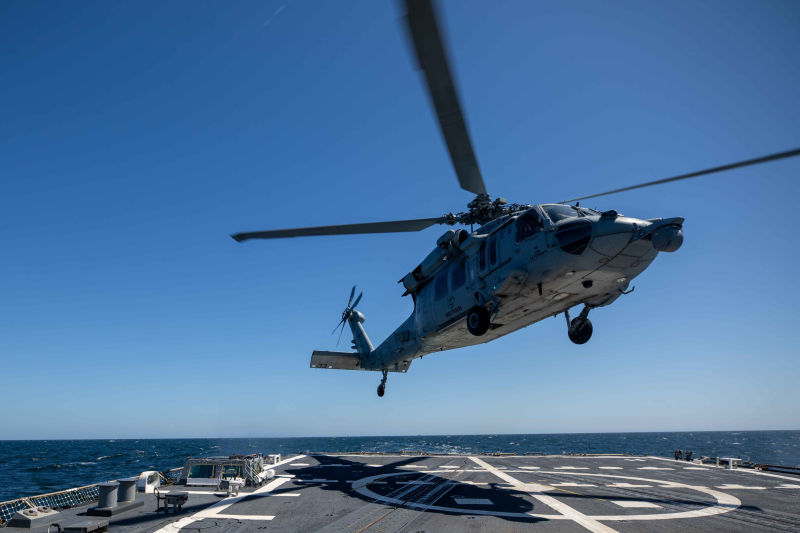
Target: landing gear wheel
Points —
{"points": [[478, 321], [580, 330], [382, 386]]}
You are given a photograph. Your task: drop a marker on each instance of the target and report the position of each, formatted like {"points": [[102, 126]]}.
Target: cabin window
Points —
{"points": [[493, 250], [458, 275], [528, 224], [440, 285], [202, 471], [482, 256]]}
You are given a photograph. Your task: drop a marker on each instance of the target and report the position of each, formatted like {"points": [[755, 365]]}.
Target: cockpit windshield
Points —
{"points": [[559, 212]]}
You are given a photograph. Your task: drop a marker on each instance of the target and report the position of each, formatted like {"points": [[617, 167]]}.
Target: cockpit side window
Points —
{"points": [[558, 212], [528, 224], [440, 285]]}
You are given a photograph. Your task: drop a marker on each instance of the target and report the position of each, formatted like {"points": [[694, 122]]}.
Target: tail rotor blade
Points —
{"points": [[340, 334], [352, 292], [357, 300]]}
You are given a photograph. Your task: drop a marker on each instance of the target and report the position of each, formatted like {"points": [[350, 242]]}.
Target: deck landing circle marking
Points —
{"points": [[725, 502]]}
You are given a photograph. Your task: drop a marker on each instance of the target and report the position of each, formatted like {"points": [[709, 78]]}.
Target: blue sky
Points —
{"points": [[136, 136]]}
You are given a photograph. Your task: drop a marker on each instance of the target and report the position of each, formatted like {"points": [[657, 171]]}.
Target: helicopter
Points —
{"points": [[522, 264]]}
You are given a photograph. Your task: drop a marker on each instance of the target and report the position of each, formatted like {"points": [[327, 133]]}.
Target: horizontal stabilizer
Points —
{"points": [[336, 360]]}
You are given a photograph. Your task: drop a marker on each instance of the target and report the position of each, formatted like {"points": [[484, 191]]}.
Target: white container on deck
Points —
{"points": [[148, 481]]}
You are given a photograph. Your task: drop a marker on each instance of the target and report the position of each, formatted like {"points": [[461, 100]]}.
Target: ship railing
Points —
{"points": [[64, 499], [772, 468], [55, 500]]}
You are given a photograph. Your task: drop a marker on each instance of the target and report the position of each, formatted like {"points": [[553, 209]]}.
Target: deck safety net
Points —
{"points": [[56, 500], [65, 499]]}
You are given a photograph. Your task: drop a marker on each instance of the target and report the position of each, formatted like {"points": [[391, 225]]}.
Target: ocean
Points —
{"points": [[36, 467]]}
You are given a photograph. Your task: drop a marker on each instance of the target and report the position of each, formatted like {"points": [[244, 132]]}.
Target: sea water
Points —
{"points": [[36, 467]]}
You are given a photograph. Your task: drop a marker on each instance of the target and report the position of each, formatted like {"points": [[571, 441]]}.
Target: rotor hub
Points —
{"points": [[482, 209]]}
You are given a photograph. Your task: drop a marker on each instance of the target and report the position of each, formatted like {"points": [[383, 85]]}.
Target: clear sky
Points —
{"points": [[136, 136]]}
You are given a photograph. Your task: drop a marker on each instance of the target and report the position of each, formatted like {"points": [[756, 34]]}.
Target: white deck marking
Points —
{"points": [[724, 502], [610, 467], [740, 487], [537, 491], [654, 468], [289, 494], [375, 466], [215, 508], [529, 467], [567, 484], [301, 464], [572, 468], [630, 504], [449, 466], [245, 516], [315, 480], [788, 486], [473, 501], [695, 468], [637, 460], [628, 486]]}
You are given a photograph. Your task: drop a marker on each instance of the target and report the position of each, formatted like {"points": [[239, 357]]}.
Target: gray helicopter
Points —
{"points": [[524, 263]]}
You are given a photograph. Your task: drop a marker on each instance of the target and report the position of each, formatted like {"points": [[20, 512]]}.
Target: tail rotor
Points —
{"points": [[347, 313]]}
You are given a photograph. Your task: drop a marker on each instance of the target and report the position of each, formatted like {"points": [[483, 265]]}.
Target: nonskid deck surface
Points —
{"points": [[371, 493]]}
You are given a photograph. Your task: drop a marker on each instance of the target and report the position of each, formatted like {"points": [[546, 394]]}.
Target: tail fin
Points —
{"points": [[361, 342], [355, 320]]}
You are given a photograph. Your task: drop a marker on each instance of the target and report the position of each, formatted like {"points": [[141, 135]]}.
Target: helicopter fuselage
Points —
{"points": [[523, 268]]}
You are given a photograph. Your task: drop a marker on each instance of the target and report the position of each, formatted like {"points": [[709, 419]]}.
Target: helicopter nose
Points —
{"points": [[667, 237], [611, 235]]}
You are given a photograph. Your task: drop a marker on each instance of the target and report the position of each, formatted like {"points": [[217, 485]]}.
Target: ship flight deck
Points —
{"points": [[429, 493]]}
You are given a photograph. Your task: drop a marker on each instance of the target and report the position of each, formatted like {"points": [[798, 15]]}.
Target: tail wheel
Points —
{"points": [[580, 331], [478, 321]]}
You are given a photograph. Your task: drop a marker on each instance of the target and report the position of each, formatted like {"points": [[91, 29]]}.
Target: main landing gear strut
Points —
{"points": [[579, 329], [382, 386]]}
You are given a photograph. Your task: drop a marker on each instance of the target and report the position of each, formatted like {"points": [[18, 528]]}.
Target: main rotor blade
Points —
{"points": [[432, 60], [757, 160], [393, 226]]}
